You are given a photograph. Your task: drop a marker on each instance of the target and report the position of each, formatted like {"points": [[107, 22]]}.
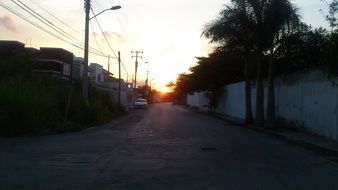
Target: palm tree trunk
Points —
{"points": [[248, 107], [271, 111], [259, 117]]}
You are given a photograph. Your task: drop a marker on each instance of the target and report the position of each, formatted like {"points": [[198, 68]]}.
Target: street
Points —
{"points": [[163, 147]]}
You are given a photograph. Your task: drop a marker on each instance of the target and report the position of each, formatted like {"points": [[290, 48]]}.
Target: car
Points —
{"points": [[140, 103]]}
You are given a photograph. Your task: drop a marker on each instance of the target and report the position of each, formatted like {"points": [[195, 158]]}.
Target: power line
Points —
{"points": [[136, 55], [123, 65], [104, 35], [65, 24], [55, 17], [125, 18], [45, 21], [46, 30], [34, 24], [98, 4], [91, 25], [50, 24]]}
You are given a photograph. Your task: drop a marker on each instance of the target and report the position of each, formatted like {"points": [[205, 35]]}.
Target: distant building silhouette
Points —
{"points": [[10, 48], [77, 68], [62, 63], [56, 61]]}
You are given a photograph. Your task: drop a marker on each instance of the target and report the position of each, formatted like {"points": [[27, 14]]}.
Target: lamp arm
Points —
{"points": [[99, 14]]}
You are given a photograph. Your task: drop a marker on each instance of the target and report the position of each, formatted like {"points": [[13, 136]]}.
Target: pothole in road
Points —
{"points": [[210, 149]]}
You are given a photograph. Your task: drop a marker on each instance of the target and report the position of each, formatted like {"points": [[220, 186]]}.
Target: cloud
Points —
{"points": [[8, 23], [117, 37], [114, 37]]}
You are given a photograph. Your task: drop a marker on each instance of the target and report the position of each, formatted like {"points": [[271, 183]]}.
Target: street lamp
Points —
{"points": [[86, 48], [112, 8]]}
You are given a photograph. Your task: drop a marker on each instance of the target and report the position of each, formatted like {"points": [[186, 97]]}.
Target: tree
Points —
{"points": [[233, 31], [281, 19], [330, 56], [254, 25], [170, 84], [333, 10], [182, 86], [302, 50], [266, 19], [245, 21], [210, 74]]}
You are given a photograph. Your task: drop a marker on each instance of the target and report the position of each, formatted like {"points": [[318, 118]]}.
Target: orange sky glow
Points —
{"points": [[168, 32]]}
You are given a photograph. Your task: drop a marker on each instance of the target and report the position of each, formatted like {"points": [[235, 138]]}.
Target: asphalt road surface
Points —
{"points": [[164, 147]]}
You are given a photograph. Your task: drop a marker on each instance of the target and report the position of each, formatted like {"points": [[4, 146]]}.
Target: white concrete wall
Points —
{"points": [[126, 97], [198, 99], [231, 101], [309, 101]]}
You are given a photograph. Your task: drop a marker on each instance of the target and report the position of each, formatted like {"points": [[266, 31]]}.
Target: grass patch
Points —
{"points": [[32, 104]]}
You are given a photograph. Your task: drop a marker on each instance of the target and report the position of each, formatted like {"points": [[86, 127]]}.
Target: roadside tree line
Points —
{"points": [[257, 39]]}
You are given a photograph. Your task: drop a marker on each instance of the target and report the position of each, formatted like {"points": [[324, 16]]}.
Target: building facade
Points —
{"points": [[11, 48], [77, 67], [55, 61]]}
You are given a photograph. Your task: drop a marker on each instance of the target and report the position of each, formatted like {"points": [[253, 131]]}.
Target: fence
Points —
{"points": [[308, 101]]}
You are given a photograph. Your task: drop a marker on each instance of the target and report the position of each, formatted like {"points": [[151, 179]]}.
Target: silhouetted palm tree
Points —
{"points": [[254, 25], [281, 19], [232, 30]]}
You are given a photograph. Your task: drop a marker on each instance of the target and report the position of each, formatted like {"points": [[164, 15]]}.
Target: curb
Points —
{"points": [[327, 151], [316, 147]]}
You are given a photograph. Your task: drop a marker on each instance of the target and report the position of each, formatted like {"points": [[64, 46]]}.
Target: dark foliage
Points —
{"points": [[33, 103]]}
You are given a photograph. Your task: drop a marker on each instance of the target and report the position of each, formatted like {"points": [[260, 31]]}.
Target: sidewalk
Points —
{"points": [[316, 143]]}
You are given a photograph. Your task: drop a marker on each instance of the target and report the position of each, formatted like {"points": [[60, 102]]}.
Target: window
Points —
{"points": [[66, 69]]}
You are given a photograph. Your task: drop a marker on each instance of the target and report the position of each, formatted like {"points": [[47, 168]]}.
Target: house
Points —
{"points": [[77, 67], [56, 61], [17, 50], [96, 74], [11, 48], [105, 80], [32, 52]]}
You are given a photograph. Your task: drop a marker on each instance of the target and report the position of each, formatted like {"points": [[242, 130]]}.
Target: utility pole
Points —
{"points": [[147, 87], [119, 60], [147, 78], [86, 48], [85, 66], [136, 55], [107, 80]]}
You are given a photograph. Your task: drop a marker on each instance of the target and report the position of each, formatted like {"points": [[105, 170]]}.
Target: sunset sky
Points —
{"points": [[168, 32]]}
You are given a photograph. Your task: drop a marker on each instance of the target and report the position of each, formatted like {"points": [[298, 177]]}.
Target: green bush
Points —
{"points": [[34, 103], [26, 108], [330, 55], [92, 113], [17, 66], [38, 104]]}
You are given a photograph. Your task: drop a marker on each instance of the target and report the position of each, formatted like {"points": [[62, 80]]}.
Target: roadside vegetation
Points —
{"points": [[260, 39], [32, 103]]}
